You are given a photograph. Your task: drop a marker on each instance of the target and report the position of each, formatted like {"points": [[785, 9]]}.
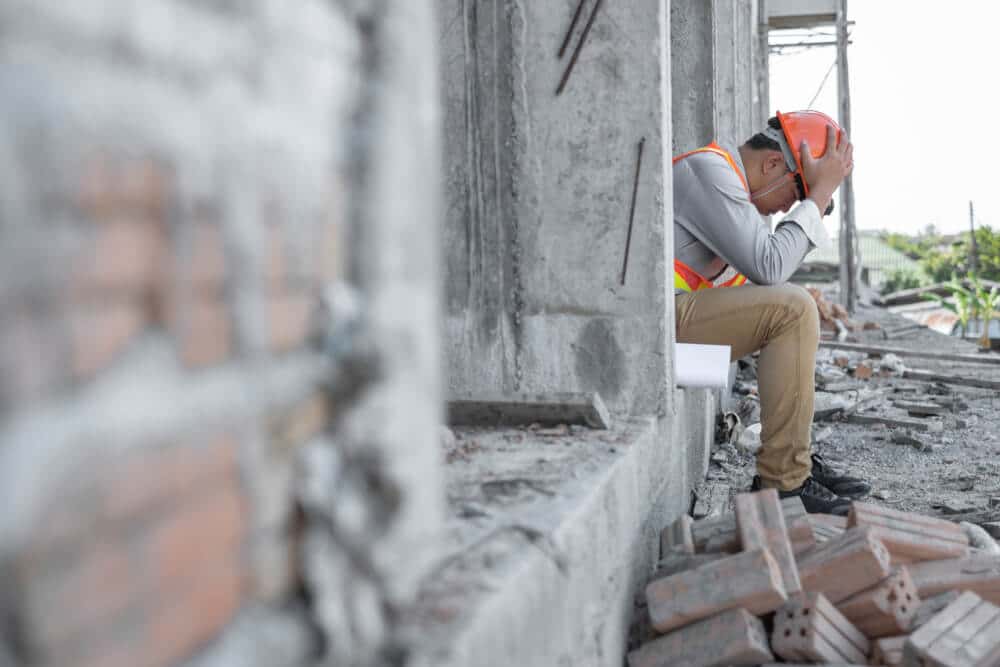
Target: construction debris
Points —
{"points": [[834, 318], [881, 587]]}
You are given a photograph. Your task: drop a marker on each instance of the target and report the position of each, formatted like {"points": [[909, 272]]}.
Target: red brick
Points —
{"points": [[910, 537], [733, 637], [810, 629], [201, 530], [761, 524], [124, 257], [99, 334], [750, 580], [966, 633], [193, 615], [979, 574], [154, 477], [676, 561], [716, 535], [289, 315], [884, 610]]}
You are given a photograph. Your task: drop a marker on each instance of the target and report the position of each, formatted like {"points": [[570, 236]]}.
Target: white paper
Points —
{"points": [[701, 365]]}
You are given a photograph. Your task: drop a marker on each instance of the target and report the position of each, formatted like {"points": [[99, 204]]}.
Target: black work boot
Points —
{"points": [[816, 498], [840, 484]]}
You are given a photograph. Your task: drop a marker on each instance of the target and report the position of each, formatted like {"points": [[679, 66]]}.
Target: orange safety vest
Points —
{"points": [[686, 278]]}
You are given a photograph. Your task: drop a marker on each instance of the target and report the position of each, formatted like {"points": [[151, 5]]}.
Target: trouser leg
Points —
{"points": [[781, 321]]}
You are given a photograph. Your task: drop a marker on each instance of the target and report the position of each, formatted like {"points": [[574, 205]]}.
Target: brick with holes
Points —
{"points": [[810, 629], [886, 609]]}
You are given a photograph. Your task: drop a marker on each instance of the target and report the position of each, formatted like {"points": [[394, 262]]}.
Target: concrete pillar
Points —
{"points": [[538, 191], [715, 87]]}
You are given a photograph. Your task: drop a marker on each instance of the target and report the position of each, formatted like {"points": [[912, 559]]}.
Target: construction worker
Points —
{"points": [[720, 194]]}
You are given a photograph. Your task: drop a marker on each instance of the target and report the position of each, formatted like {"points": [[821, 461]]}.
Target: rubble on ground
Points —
{"points": [[770, 582], [834, 318]]}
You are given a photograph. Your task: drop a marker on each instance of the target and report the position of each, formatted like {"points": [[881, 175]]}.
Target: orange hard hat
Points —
{"points": [[799, 126]]}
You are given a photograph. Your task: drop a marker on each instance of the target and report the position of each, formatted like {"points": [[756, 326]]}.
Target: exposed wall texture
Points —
{"points": [[197, 461], [538, 193]]}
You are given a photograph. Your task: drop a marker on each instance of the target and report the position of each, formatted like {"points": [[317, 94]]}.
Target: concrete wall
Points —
{"points": [[716, 89], [538, 189], [185, 184]]}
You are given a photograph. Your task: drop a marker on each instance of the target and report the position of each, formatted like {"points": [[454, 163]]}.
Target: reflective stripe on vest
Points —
{"points": [[687, 279]]}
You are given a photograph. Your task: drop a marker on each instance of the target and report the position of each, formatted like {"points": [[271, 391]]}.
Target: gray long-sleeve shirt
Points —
{"points": [[716, 224]]}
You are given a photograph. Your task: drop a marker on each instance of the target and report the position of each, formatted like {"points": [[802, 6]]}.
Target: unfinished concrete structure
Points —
{"points": [[222, 373], [540, 167]]}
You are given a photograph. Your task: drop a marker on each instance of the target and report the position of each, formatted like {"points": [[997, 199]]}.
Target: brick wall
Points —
{"points": [[181, 182]]}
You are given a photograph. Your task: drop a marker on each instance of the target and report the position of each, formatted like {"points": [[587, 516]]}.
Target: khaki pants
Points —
{"points": [[782, 322]]}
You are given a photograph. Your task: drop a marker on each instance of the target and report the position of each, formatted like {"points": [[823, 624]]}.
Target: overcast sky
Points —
{"points": [[925, 90]]}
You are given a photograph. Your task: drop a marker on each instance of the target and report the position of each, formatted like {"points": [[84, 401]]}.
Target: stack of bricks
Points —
{"points": [[773, 585]]}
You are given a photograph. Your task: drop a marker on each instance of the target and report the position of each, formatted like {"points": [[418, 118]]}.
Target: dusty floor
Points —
{"points": [[951, 470]]}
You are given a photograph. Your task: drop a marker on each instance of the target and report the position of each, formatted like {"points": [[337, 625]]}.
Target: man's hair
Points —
{"points": [[762, 142]]}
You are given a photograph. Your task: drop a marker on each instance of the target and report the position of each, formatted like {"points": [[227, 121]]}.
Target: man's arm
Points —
{"points": [[716, 209]]}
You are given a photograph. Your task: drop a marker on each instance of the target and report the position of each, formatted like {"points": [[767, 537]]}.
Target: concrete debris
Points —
{"points": [[880, 586]]}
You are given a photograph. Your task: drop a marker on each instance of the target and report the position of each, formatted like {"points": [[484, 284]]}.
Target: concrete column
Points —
{"points": [[538, 191], [715, 87]]}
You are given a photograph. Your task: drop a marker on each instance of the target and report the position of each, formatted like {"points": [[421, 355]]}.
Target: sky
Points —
{"points": [[925, 86]]}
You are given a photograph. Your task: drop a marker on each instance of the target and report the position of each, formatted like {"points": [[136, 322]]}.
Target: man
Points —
{"points": [[720, 195]]}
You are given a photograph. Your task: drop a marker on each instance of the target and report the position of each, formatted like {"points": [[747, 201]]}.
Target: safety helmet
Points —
{"points": [[796, 127]]}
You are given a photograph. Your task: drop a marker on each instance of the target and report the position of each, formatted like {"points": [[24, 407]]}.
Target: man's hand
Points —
{"points": [[825, 174]]}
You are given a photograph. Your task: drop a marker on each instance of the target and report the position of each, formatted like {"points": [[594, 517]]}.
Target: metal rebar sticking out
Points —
{"points": [[631, 213], [579, 47], [572, 27]]}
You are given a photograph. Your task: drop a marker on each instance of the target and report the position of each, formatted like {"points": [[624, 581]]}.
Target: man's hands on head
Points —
{"points": [[825, 174]]}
